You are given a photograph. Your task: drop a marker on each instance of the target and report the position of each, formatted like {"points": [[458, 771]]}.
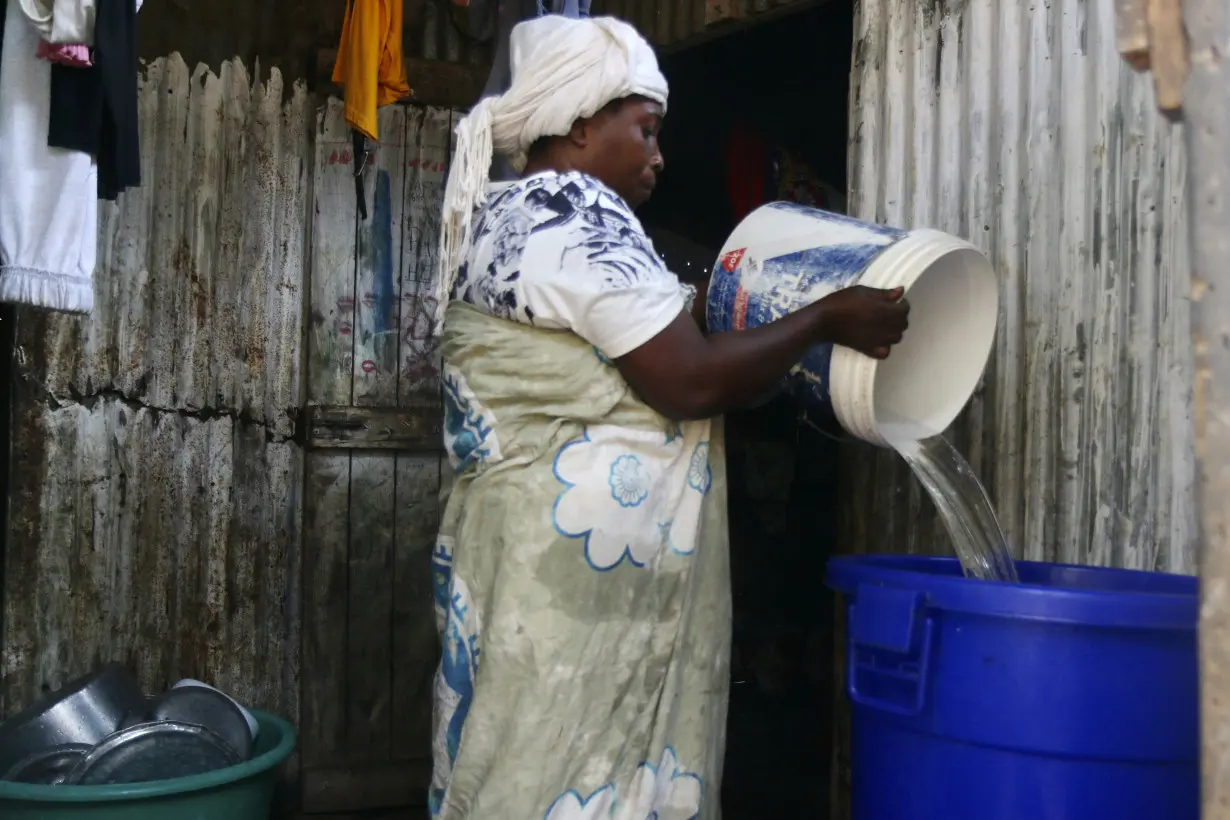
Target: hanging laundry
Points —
{"points": [[48, 204], [62, 21], [370, 67], [65, 54], [94, 109]]}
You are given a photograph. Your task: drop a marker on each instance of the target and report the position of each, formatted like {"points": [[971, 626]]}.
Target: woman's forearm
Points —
{"points": [[686, 376]]}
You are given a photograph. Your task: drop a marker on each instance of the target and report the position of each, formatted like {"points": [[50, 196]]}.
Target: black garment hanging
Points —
{"points": [[94, 109]]}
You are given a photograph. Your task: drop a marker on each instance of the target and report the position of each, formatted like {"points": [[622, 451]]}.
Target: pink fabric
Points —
{"points": [[72, 54]]}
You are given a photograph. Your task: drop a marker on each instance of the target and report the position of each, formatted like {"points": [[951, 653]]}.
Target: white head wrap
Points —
{"points": [[563, 70]]}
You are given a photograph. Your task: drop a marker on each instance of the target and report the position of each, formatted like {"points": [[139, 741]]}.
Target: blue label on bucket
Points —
{"points": [[748, 291]]}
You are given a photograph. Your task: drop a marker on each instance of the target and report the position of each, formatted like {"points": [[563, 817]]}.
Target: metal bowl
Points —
{"points": [[84, 711], [153, 751], [201, 706], [253, 726]]}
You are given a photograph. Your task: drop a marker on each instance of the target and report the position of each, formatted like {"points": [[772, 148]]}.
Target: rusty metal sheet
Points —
{"points": [[156, 506], [673, 24], [1019, 127]]}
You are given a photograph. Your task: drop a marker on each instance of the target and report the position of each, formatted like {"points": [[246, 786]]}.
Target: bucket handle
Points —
{"points": [[805, 420], [888, 657]]}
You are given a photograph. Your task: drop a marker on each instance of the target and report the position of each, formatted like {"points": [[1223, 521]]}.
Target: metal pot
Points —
{"points": [[83, 711]]}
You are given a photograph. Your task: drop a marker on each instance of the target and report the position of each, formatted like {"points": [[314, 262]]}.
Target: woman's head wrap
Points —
{"points": [[563, 70]]}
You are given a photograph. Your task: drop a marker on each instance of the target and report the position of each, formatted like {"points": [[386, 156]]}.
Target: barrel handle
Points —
{"points": [[887, 659]]}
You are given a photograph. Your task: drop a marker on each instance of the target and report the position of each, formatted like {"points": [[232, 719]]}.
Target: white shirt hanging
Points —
{"points": [[64, 21], [48, 196]]}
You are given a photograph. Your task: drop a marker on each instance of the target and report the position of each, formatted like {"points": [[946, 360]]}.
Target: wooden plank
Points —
{"points": [[261, 203], [371, 787], [377, 277], [214, 550], [186, 610], [1132, 32], [370, 610], [1168, 56], [285, 285], [229, 239], [325, 600], [415, 642], [131, 268], [38, 555], [195, 257], [154, 460], [428, 149], [246, 635], [276, 676], [334, 217], [166, 177], [433, 82], [415, 428]]}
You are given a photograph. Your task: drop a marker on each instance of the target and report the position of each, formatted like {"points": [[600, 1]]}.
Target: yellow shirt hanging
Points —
{"points": [[369, 66]]}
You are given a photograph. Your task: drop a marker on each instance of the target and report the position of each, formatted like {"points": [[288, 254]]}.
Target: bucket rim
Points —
{"points": [[902, 264], [944, 588], [156, 789]]}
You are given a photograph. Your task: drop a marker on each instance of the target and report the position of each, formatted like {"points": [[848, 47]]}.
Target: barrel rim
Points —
{"points": [[1166, 609]]}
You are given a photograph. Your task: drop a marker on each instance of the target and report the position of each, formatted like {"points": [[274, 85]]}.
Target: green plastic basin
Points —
{"points": [[243, 792]]}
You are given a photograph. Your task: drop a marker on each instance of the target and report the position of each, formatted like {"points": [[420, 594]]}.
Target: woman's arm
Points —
{"points": [[684, 374], [702, 299]]}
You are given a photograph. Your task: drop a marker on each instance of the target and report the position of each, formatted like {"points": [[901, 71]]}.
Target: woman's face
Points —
{"points": [[621, 148]]}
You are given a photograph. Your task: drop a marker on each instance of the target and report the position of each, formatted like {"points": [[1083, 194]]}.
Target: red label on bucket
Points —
{"points": [[739, 320], [731, 260]]}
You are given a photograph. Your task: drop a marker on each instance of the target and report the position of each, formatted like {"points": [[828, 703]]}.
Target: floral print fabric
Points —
{"points": [[581, 575]]}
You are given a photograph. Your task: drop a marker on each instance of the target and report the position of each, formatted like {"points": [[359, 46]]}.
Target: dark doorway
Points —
{"points": [[760, 114]]}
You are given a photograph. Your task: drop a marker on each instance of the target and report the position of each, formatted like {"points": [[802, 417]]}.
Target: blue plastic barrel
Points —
{"points": [[1072, 696]]}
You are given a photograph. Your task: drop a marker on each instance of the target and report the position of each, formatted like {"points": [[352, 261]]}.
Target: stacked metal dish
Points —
{"points": [[101, 729]]}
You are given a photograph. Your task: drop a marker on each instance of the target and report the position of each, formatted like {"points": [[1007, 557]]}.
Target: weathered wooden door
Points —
{"points": [[373, 463]]}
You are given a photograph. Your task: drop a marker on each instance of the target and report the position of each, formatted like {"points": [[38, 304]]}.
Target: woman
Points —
{"points": [[582, 577]]}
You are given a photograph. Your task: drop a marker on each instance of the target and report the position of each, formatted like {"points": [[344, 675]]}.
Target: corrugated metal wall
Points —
{"points": [[672, 22], [287, 33], [440, 30], [156, 501], [1016, 124]]}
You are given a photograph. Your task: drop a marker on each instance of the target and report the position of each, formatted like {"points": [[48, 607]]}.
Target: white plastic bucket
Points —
{"points": [[784, 256]]}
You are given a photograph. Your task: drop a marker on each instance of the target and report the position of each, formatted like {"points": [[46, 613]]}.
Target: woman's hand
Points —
{"points": [[869, 320], [684, 374]]}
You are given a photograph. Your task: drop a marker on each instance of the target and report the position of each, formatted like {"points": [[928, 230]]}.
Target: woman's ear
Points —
{"points": [[578, 135]]}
